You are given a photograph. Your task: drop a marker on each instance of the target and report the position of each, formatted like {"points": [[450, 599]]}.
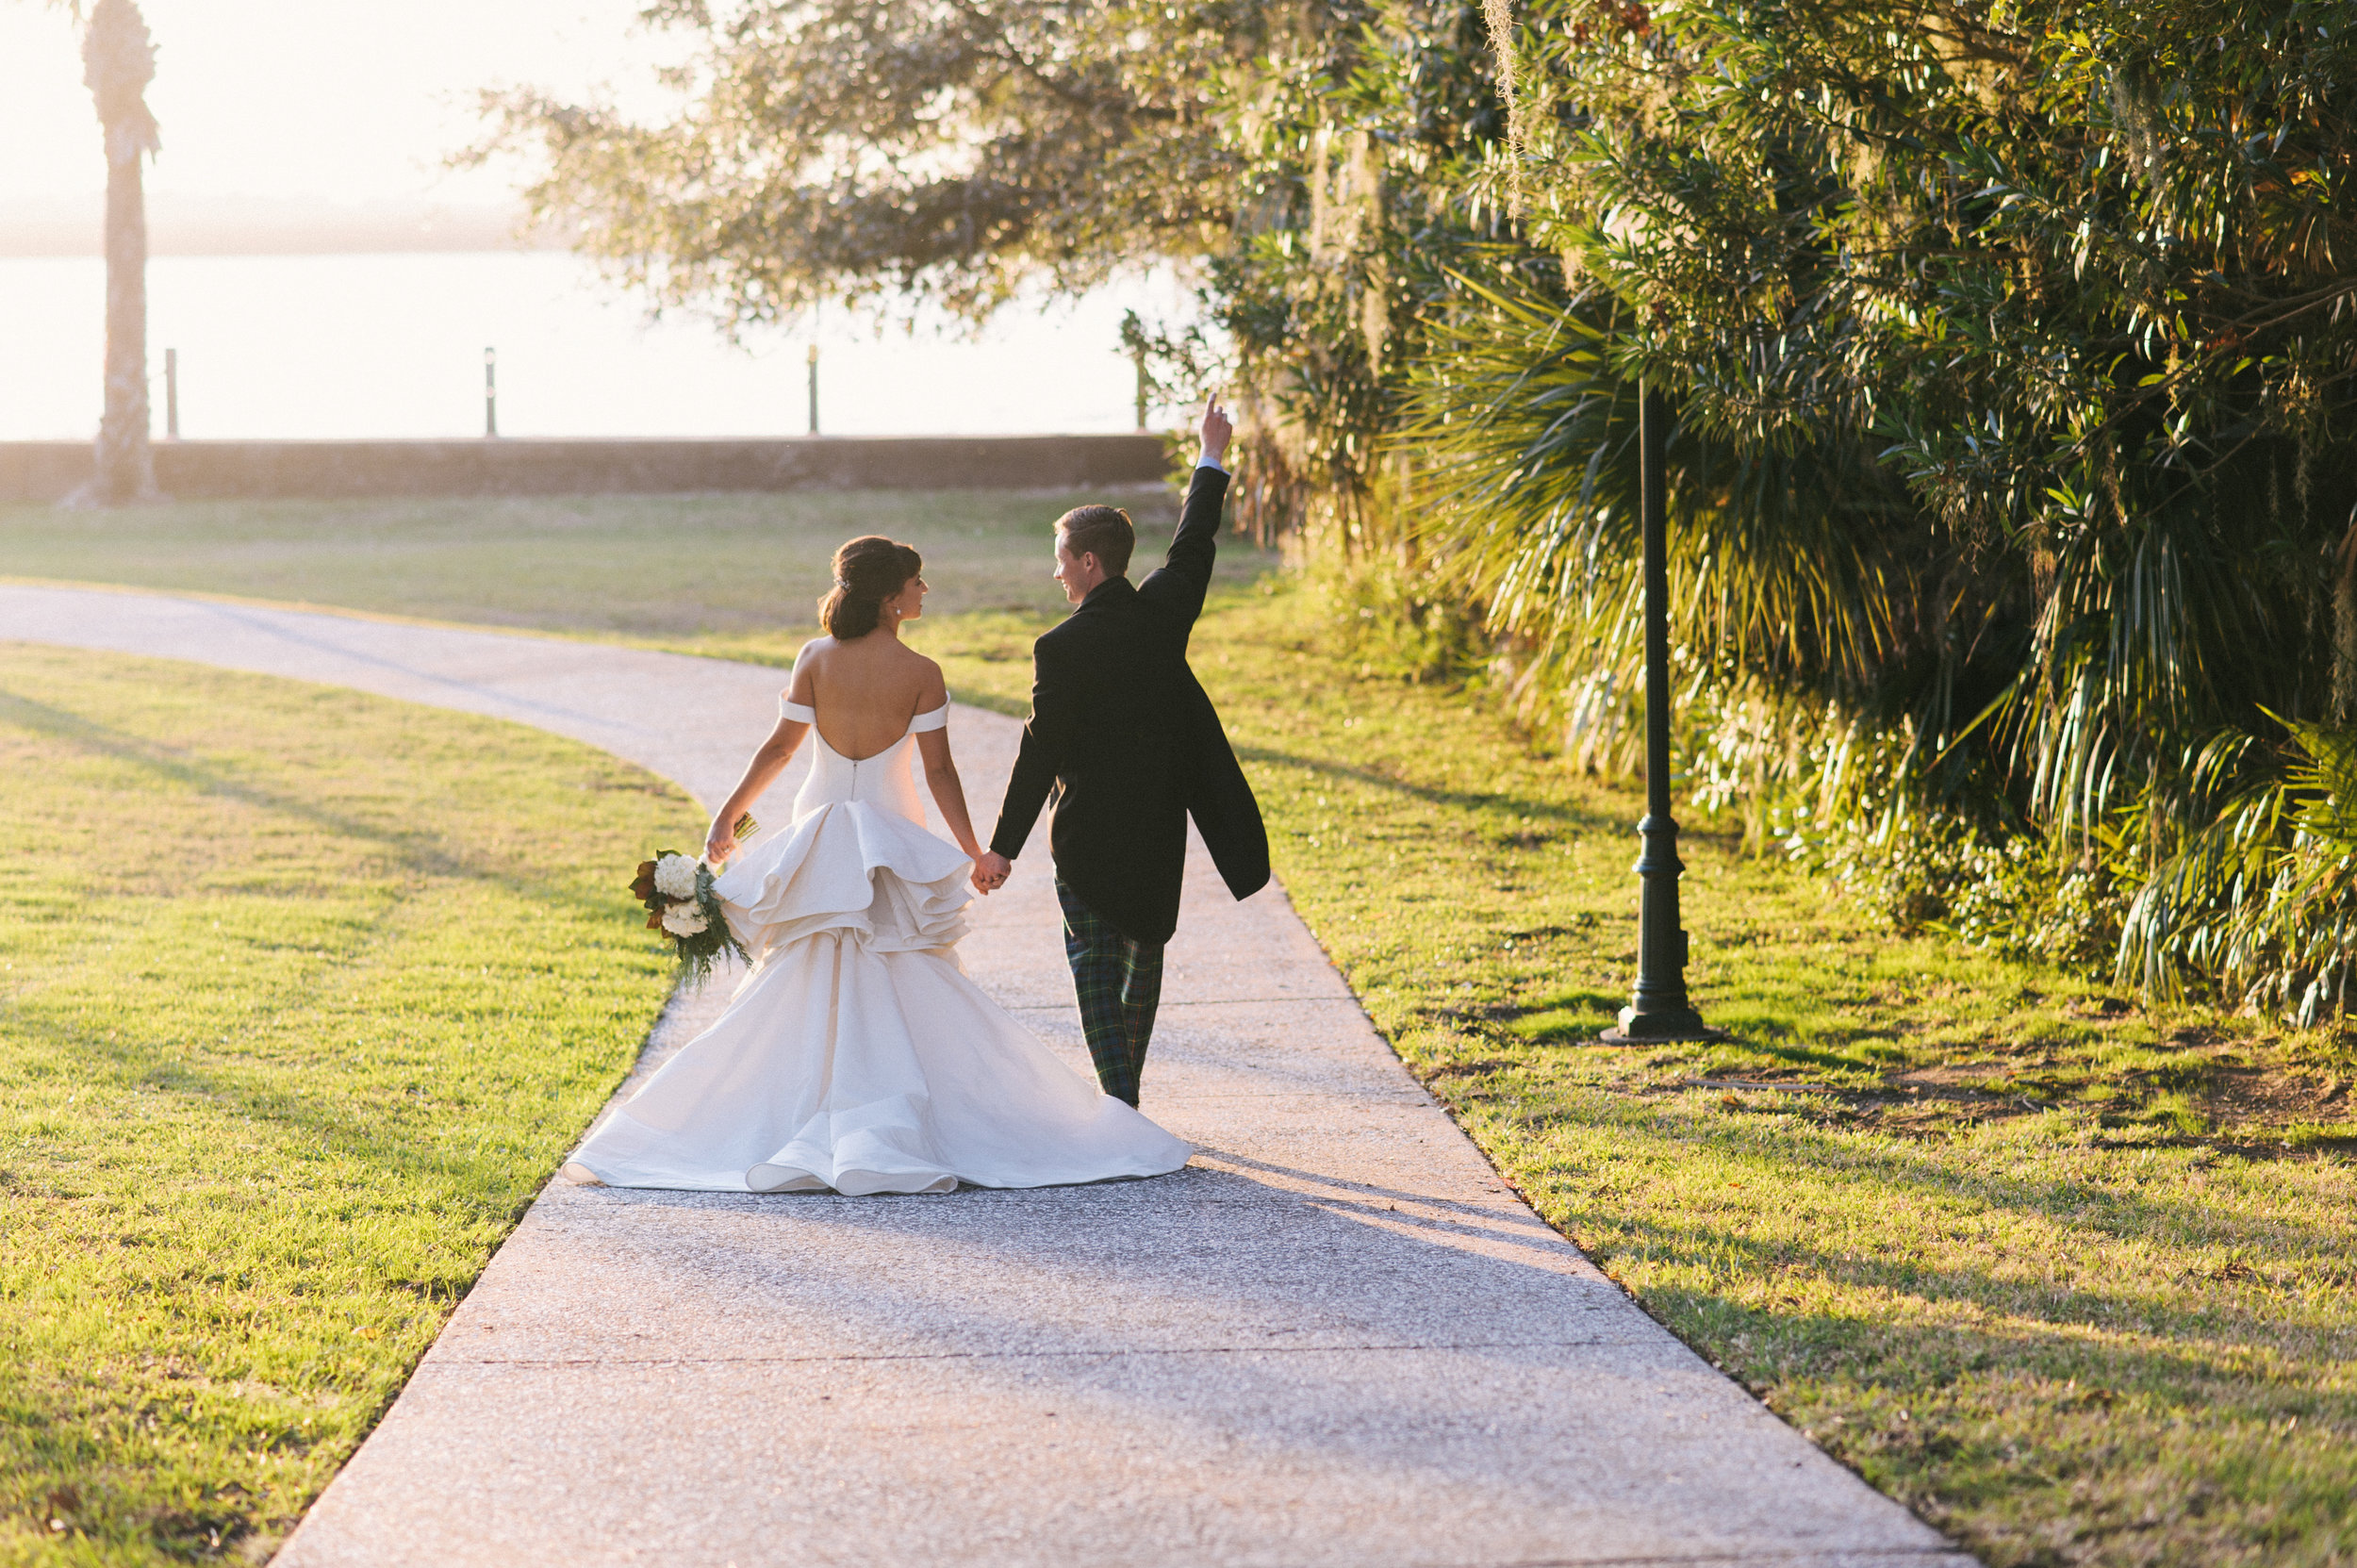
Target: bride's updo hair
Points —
{"points": [[867, 571]]}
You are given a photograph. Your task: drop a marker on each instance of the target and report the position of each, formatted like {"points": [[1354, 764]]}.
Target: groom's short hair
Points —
{"points": [[1104, 532]]}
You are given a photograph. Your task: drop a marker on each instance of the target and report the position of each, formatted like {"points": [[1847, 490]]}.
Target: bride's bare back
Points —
{"points": [[864, 692]]}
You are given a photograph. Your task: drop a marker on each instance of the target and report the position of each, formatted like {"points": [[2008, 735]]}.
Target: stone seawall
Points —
{"points": [[200, 470]]}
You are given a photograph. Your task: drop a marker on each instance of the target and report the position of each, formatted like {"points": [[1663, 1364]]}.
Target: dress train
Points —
{"points": [[857, 1056]]}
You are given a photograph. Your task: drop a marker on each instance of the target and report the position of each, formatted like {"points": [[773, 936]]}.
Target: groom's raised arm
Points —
{"points": [[1049, 738], [1185, 576]]}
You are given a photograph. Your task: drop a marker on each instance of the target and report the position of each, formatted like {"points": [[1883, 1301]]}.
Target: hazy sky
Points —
{"points": [[345, 100]]}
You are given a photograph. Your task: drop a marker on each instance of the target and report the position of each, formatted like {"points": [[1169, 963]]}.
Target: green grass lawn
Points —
{"points": [[709, 566], [2076, 1281], [302, 995]]}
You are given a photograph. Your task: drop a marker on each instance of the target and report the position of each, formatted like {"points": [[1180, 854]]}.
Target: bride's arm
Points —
{"points": [[770, 760], [941, 776], [941, 769]]}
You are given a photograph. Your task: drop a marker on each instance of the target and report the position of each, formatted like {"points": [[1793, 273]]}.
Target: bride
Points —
{"points": [[856, 1055]]}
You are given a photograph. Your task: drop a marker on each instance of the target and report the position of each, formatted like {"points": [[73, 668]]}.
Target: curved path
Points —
{"points": [[1335, 1339]]}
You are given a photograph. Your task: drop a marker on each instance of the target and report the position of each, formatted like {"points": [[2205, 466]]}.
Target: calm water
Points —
{"points": [[393, 346]]}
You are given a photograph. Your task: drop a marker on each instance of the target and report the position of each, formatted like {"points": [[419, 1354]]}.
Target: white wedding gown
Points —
{"points": [[856, 1055]]}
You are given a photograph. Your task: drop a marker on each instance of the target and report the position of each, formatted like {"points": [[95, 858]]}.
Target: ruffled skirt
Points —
{"points": [[857, 1056]]}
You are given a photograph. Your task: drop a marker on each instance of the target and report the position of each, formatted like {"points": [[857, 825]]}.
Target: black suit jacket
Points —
{"points": [[1127, 741]]}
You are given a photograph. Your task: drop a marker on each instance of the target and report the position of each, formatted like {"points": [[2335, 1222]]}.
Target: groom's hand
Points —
{"points": [[991, 870], [1216, 428]]}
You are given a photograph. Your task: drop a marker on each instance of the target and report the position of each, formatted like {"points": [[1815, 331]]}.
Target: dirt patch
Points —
{"points": [[2239, 1095]]}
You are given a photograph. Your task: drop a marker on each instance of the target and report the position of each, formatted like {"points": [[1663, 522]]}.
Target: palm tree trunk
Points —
{"points": [[2344, 631], [119, 60], [125, 466]]}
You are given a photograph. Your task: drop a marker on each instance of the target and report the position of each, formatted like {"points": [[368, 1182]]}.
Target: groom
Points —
{"points": [[1125, 740]]}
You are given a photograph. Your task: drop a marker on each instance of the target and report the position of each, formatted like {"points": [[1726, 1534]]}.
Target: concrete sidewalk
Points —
{"points": [[1335, 1339]]}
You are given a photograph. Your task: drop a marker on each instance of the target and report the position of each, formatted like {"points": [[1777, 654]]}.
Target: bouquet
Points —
{"points": [[677, 891]]}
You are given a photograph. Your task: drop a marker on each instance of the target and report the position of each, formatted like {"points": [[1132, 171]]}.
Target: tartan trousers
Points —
{"points": [[1119, 981]]}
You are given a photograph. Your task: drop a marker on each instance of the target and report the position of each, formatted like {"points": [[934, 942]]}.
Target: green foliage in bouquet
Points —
{"points": [[677, 891]]}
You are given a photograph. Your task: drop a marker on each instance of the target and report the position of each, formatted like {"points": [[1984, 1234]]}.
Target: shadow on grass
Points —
{"points": [[377, 1132], [419, 852], [1562, 812], [1866, 1162], [405, 1151]]}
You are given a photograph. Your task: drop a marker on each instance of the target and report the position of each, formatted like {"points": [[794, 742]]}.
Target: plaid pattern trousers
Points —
{"points": [[1119, 983]]}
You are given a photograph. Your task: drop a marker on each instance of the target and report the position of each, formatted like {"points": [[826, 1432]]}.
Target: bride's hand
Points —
{"points": [[718, 845], [991, 870]]}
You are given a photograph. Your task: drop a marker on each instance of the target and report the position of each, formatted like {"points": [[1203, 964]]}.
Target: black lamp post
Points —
{"points": [[1658, 1009]]}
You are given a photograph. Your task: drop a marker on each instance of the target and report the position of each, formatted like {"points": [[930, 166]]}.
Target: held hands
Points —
{"points": [[1216, 428], [991, 870]]}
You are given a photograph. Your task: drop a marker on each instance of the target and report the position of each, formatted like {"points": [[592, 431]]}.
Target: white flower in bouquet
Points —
{"points": [[684, 919], [675, 878]]}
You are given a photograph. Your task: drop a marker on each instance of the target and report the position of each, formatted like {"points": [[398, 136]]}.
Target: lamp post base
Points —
{"points": [[1656, 1031], [1620, 1036]]}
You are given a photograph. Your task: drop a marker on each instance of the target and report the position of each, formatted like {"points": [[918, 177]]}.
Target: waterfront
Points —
{"points": [[391, 345]]}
